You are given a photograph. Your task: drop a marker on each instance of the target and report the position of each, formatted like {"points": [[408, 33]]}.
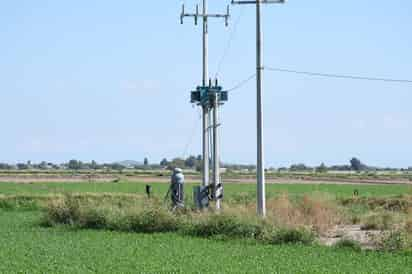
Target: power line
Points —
{"points": [[229, 43], [242, 83], [340, 76], [192, 135]]}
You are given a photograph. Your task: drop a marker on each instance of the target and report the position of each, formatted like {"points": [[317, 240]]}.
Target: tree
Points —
{"points": [[322, 168], [22, 166], [146, 161], [299, 167], [74, 164], [4, 166], [43, 165], [190, 162], [164, 162], [94, 165], [356, 164], [117, 166], [177, 162]]}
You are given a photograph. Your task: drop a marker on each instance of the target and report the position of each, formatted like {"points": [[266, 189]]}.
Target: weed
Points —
{"points": [[378, 221], [348, 244], [289, 236], [394, 241]]}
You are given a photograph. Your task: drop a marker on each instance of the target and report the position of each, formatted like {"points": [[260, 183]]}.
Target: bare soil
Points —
{"points": [[366, 238]]}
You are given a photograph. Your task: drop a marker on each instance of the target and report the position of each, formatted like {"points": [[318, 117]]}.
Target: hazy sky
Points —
{"points": [[110, 80]]}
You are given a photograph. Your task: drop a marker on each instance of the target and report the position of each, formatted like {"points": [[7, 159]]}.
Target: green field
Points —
{"points": [[26, 247], [343, 190]]}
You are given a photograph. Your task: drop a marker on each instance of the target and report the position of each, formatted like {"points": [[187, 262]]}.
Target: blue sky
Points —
{"points": [[110, 80]]}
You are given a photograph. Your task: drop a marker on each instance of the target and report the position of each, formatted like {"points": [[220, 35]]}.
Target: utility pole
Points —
{"points": [[208, 104], [205, 124], [217, 189], [260, 167]]}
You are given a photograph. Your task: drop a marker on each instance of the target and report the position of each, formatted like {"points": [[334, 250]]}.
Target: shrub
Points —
{"points": [[63, 211], [378, 222], [291, 236], [318, 213], [150, 217], [93, 219], [348, 244], [394, 241], [223, 225], [408, 226], [150, 221], [21, 202]]}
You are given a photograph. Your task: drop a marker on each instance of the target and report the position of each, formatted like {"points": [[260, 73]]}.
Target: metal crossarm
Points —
{"points": [[198, 15]]}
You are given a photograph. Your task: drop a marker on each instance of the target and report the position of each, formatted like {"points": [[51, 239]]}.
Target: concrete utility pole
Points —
{"points": [[260, 167], [207, 106], [216, 151], [206, 124]]}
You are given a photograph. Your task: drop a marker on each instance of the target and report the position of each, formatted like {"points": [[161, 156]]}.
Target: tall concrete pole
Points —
{"points": [[205, 124], [216, 152], [260, 168]]}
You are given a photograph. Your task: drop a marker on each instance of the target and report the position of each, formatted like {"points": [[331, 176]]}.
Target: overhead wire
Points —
{"points": [[242, 83], [339, 76], [229, 43], [192, 135], [324, 75]]}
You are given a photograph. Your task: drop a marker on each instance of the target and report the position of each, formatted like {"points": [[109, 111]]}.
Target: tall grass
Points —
{"points": [[288, 221]]}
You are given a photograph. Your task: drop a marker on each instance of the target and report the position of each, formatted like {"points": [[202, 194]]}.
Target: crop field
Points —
{"points": [[160, 189], [29, 247]]}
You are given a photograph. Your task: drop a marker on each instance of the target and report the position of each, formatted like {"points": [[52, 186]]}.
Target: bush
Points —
{"points": [[378, 222], [21, 202], [317, 212], [93, 219], [63, 211], [223, 225], [150, 221], [394, 241], [291, 236], [150, 217], [408, 226], [348, 244]]}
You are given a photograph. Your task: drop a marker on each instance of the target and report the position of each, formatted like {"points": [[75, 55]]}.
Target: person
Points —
{"points": [[177, 188]]}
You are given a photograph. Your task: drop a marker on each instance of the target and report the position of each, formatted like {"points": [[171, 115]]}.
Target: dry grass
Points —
{"points": [[316, 212]]}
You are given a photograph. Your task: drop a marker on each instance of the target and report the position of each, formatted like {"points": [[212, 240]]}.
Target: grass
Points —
{"points": [[33, 249], [150, 216], [238, 191], [109, 244]]}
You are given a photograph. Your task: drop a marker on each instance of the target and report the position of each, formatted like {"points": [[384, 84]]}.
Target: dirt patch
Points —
{"points": [[366, 238]]}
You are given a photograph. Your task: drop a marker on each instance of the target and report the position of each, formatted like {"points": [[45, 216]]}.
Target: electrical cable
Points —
{"points": [[242, 83], [340, 76], [192, 135], [229, 43]]}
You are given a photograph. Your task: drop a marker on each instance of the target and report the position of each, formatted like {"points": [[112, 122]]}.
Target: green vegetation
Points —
{"points": [[232, 191], [149, 216], [113, 227], [34, 249], [348, 244]]}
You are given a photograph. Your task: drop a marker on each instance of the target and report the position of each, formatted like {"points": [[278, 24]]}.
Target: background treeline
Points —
{"points": [[193, 163]]}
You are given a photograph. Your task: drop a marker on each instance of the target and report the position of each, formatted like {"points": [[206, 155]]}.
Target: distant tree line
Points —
{"points": [[191, 162]]}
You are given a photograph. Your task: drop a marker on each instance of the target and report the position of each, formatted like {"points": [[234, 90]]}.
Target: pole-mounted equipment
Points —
{"points": [[209, 98]]}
